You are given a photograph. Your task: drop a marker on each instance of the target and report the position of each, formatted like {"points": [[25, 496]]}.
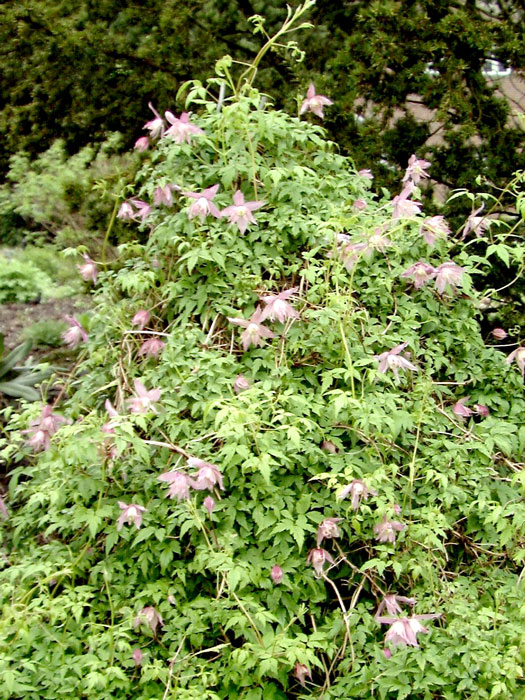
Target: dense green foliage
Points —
{"points": [[373, 56], [80, 596]]}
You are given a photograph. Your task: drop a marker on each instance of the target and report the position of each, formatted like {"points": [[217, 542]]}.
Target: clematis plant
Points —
{"points": [[317, 557], [130, 514], [448, 275], [75, 334], [416, 169], [240, 212], [88, 271], [391, 603], [43, 428], [181, 129], [314, 102], [404, 630], [518, 356], [276, 574], [140, 319], [254, 332], [207, 476], [386, 530], [203, 204], [152, 347], [150, 616], [179, 484], [358, 491], [155, 126], [277, 307], [392, 359], [328, 529], [144, 399], [434, 227], [420, 272]]}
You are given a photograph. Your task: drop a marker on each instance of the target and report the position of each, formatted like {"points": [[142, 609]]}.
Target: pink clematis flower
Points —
{"points": [[163, 195], [477, 224], [359, 205], [155, 126], [328, 529], [3, 508], [519, 357], [421, 272], [317, 558], [207, 476], [499, 333], [150, 616], [43, 428], [385, 531], [74, 334], [143, 209], [391, 603], [255, 332], [109, 427], [314, 103], [130, 514], [137, 656], [366, 173], [133, 209], [203, 204], [125, 212], [358, 491], [276, 574], [394, 361], [144, 400], [277, 307], [448, 274], [140, 319], [240, 384], [152, 347], [181, 129], [459, 408], [404, 208], [179, 484], [404, 630], [209, 504], [300, 672], [416, 170], [376, 241], [141, 144], [434, 227], [481, 410], [88, 271], [328, 446], [240, 212]]}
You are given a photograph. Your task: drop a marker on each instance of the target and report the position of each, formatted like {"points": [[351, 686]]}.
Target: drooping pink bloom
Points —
{"points": [[74, 334], [477, 224], [404, 630], [459, 408], [377, 241], [394, 361], [448, 274], [387, 653], [130, 514], [3, 508], [203, 204], [358, 491], [328, 446], [434, 227], [396, 508], [163, 195], [276, 574], [144, 400], [359, 205], [109, 427], [140, 319], [499, 333], [481, 410], [240, 384], [137, 656], [416, 169], [88, 271], [300, 672], [126, 211], [403, 207], [351, 252], [240, 212], [255, 332], [328, 529], [317, 558], [143, 209], [391, 603], [314, 103], [421, 272], [209, 504], [141, 144], [155, 126], [207, 475], [385, 531], [43, 428], [519, 357], [152, 347], [277, 307], [367, 173], [181, 129], [150, 616], [179, 484]]}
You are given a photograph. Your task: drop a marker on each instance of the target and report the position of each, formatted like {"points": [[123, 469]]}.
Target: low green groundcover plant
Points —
{"points": [[289, 466]]}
